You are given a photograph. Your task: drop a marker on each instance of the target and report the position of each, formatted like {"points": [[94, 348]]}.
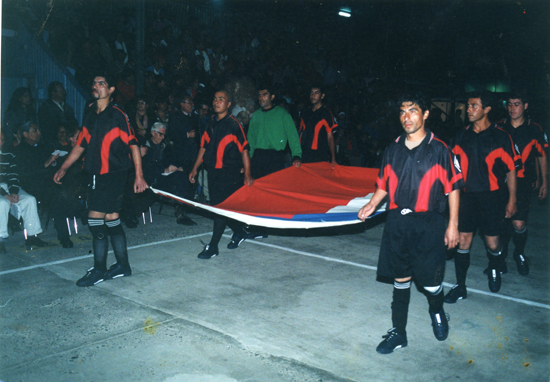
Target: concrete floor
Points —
{"points": [[297, 306]]}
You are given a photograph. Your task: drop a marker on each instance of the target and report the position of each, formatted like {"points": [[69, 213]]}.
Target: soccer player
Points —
{"points": [[489, 161], [531, 142], [419, 175], [110, 146]]}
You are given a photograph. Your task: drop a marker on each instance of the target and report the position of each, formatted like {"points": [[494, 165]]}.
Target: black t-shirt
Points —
{"points": [[315, 127], [419, 179], [485, 157], [224, 141]]}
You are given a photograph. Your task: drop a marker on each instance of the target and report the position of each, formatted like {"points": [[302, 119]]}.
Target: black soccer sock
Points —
{"points": [[494, 258], [100, 242], [435, 298], [236, 227], [520, 239], [118, 241], [462, 263], [400, 305], [219, 227]]}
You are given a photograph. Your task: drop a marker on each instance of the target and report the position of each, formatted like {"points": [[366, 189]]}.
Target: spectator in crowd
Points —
{"points": [[139, 119], [20, 109], [35, 160], [54, 112], [11, 194]]}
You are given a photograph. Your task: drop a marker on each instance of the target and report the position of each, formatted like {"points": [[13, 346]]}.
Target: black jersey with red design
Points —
{"points": [[224, 141], [315, 127], [419, 179], [531, 142], [485, 157], [107, 138]]}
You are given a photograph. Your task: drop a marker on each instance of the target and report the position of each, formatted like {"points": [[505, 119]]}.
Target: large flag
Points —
{"points": [[314, 195]]}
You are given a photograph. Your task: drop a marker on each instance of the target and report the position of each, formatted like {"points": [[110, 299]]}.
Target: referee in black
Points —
{"points": [[417, 174], [111, 147]]}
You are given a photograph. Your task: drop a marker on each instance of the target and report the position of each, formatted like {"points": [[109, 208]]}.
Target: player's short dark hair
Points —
{"points": [[518, 94], [319, 86], [487, 98], [227, 93], [416, 97], [109, 79], [267, 86]]}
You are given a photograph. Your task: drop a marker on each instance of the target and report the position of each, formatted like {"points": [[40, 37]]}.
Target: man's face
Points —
{"points": [[101, 90], [157, 137], [141, 106], [315, 96], [475, 111], [60, 94], [221, 103], [203, 111], [187, 105], [265, 99], [33, 136], [412, 118], [61, 134], [516, 108]]}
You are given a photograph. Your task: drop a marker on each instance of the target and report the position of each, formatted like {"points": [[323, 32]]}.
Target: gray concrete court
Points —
{"points": [[297, 306]]}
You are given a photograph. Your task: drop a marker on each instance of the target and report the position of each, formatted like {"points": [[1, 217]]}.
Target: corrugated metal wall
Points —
{"points": [[28, 62]]}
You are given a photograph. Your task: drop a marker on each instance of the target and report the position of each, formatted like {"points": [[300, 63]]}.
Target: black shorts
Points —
{"points": [[222, 183], [105, 192], [485, 211], [266, 161], [524, 192], [413, 245]]}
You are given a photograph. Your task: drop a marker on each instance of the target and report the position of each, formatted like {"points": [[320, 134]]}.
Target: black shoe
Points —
{"points": [[392, 341], [185, 220], [2, 248], [67, 243], [208, 252], [256, 235], [494, 280], [236, 240], [502, 267], [116, 270], [440, 323], [523, 264], [34, 242], [91, 278], [456, 293]]}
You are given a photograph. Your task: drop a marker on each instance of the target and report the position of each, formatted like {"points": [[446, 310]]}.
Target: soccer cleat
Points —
{"points": [[523, 265], [440, 323], [236, 240], [494, 280], [91, 278], [116, 270], [208, 252], [456, 293], [502, 267], [392, 341]]}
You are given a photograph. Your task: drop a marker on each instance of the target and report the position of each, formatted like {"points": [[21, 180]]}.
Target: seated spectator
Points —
{"points": [[125, 88], [35, 161], [66, 200], [12, 194], [161, 110], [139, 119], [62, 141], [160, 172], [20, 109]]}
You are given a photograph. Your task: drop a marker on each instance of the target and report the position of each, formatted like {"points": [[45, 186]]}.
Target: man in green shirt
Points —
{"points": [[270, 129]]}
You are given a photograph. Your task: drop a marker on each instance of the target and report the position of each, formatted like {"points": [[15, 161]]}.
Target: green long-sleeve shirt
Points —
{"points": [[273, 129]]}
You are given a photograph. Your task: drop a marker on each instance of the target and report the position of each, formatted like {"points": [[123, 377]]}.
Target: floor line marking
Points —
{"points": [[15, 270], [326, 258], [331, 259]]}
